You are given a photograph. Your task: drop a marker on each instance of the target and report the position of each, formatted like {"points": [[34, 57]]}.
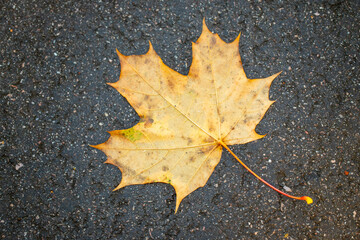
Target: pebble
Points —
{"points": [[287, 189]]}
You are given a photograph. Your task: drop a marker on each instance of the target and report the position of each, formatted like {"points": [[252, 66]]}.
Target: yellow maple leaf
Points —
{"points": [[186, 120]]}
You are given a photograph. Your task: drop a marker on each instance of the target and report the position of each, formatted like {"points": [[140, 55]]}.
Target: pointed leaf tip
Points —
{"points": [[205, 27], [177, 204], [95, 146], [114, 85], [118, 52], [151, 48], [277, 74], [237, 39], [109, 161], [118, 187]]}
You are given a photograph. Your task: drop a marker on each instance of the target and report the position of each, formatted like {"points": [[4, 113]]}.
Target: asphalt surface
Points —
{"points": [[55, 58]]}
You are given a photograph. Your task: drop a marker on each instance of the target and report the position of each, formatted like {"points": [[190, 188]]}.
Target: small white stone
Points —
{"points": [[287, 189], [282, 206], [18, 166]]}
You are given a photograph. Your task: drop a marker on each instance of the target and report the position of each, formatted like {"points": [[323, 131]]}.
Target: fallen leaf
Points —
{"points": [[186, 120]]}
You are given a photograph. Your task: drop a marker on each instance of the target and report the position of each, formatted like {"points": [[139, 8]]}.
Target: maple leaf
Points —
{"points": [[186, 120]]}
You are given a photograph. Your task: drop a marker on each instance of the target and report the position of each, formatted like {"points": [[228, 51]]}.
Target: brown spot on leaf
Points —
{"points": [[165, 168], [213, 40], [125, 169], [171, 84], [253, 94], [220, 53], [192, 159], [148, 122], [204, 150], [138, 104], [208, 140], [211, 127], [140, 178]]}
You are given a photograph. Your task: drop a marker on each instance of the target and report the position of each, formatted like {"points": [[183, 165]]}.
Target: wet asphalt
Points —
{"points": [[55, 58]]}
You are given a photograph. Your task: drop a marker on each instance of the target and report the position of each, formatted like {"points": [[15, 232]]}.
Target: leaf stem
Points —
{"points": [[305, 198]]}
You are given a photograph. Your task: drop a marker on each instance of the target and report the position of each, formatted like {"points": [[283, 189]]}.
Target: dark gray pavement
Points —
{"points": [[55, 58]]}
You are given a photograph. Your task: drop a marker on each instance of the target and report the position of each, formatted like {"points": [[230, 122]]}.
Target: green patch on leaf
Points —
{"points": [[132, 134]]}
